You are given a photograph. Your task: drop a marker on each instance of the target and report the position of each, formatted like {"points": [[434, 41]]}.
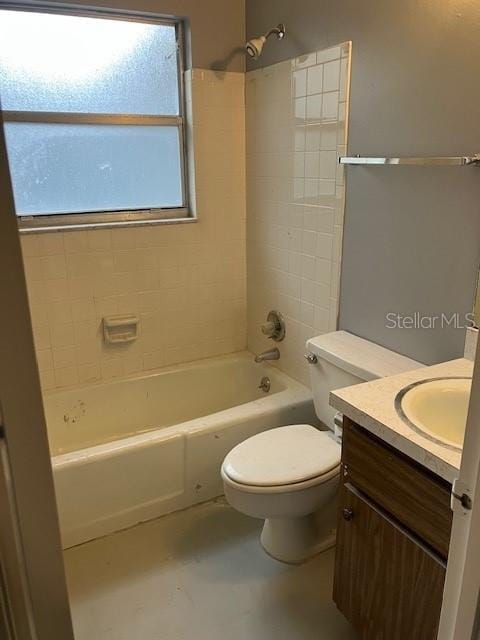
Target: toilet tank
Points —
{"points": [[343, 360]]}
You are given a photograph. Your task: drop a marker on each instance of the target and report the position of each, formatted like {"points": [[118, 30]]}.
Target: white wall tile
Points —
{"points": [[300, 106], [66, 376], [330, 106], [328, 165], [312, 138], [168, 274], [331, 76], [300, 83], [301, 62], [315, 79], [171, 274], [50, 244], [333, 53], [312, 164], [295, 206], [314, 108], [328, 139]]}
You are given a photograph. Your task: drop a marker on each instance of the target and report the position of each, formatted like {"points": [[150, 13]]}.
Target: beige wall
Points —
{"points": [[412, 235], [186, 282], [216, 27]]}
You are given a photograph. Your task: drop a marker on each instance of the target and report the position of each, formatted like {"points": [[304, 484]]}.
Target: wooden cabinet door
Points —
{"points": [[387, 584]]}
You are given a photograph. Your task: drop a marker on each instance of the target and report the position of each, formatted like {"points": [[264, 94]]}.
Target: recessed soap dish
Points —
{"points": [[120, 329]]}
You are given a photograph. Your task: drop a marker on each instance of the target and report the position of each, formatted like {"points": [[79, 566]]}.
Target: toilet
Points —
{"points": [[289, 475]]}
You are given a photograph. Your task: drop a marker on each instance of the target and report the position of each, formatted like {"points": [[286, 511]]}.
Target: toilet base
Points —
{"points": [[294, 540]]}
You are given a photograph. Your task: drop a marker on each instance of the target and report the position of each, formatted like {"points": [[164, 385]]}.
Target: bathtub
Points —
{"points": [[127, 451]]}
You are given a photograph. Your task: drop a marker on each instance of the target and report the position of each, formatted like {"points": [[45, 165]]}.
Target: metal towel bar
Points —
{"points": [[458, 161]]}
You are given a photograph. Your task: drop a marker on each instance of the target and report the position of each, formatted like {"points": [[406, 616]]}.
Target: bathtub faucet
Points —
{"points": [[273, 354]]}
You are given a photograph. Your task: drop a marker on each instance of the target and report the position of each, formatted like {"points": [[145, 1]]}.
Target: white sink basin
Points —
{"points": [[437, 408]]}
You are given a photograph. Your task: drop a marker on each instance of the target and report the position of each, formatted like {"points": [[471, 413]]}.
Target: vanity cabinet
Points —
{"points": [[394, 527]]}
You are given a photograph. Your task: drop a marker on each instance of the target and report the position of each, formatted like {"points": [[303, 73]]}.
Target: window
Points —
{"points": [[93, 111]]}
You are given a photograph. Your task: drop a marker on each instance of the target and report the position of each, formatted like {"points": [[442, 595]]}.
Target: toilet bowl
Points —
{"points": [[284, 476], [289, 475]]}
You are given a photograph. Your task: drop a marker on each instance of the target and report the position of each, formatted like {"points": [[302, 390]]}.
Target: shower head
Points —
{"points": [[255, 46]]}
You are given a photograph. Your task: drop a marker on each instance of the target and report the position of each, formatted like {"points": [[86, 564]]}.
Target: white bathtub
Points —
{"points": [[131, 450]]}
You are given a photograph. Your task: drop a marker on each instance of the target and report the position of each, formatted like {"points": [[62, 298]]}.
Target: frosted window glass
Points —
{"points": [[70, 63], [59, 168]]}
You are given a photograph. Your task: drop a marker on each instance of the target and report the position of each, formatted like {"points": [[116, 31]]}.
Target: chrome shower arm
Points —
{"points": [[254, 47], [278, 31]]}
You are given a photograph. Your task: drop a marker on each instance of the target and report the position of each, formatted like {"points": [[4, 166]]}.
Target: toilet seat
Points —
{"points": [[293, 456]]}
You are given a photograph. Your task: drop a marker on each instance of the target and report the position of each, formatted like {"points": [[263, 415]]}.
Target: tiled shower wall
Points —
{"points": [[296, 129], [186, 282]]}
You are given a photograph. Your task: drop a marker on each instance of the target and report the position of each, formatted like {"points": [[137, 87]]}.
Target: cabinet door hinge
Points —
{"points": [[460, 493]]}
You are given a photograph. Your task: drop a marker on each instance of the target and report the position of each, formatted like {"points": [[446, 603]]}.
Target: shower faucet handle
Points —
{"points": [[274, 327], [269, 328]]}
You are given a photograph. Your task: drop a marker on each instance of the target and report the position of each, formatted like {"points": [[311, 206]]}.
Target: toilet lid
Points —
{"points": [[285, 455]]}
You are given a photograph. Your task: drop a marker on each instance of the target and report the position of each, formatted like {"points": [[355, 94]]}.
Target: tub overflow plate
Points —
{"points": [[265, 384]]}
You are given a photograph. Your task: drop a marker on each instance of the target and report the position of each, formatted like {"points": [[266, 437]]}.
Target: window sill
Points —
{"points": [[83, 221]]}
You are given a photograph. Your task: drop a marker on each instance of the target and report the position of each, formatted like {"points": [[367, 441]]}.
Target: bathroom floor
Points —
{"points": [[198, 574]]}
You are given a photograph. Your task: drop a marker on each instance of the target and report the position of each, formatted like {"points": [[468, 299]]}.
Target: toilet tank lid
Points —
{"points": [[361, 358]]}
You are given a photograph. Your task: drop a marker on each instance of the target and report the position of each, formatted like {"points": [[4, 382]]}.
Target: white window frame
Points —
{"points": [[107, 219]]}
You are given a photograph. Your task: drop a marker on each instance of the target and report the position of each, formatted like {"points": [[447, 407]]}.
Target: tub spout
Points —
{"points": [[273, 354]]}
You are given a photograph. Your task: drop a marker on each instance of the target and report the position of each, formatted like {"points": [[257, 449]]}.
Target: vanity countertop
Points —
{"points": [[372, 406]]}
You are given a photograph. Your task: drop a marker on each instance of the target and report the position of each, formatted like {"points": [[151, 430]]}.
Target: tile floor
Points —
{"points": [[198, 574]]}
